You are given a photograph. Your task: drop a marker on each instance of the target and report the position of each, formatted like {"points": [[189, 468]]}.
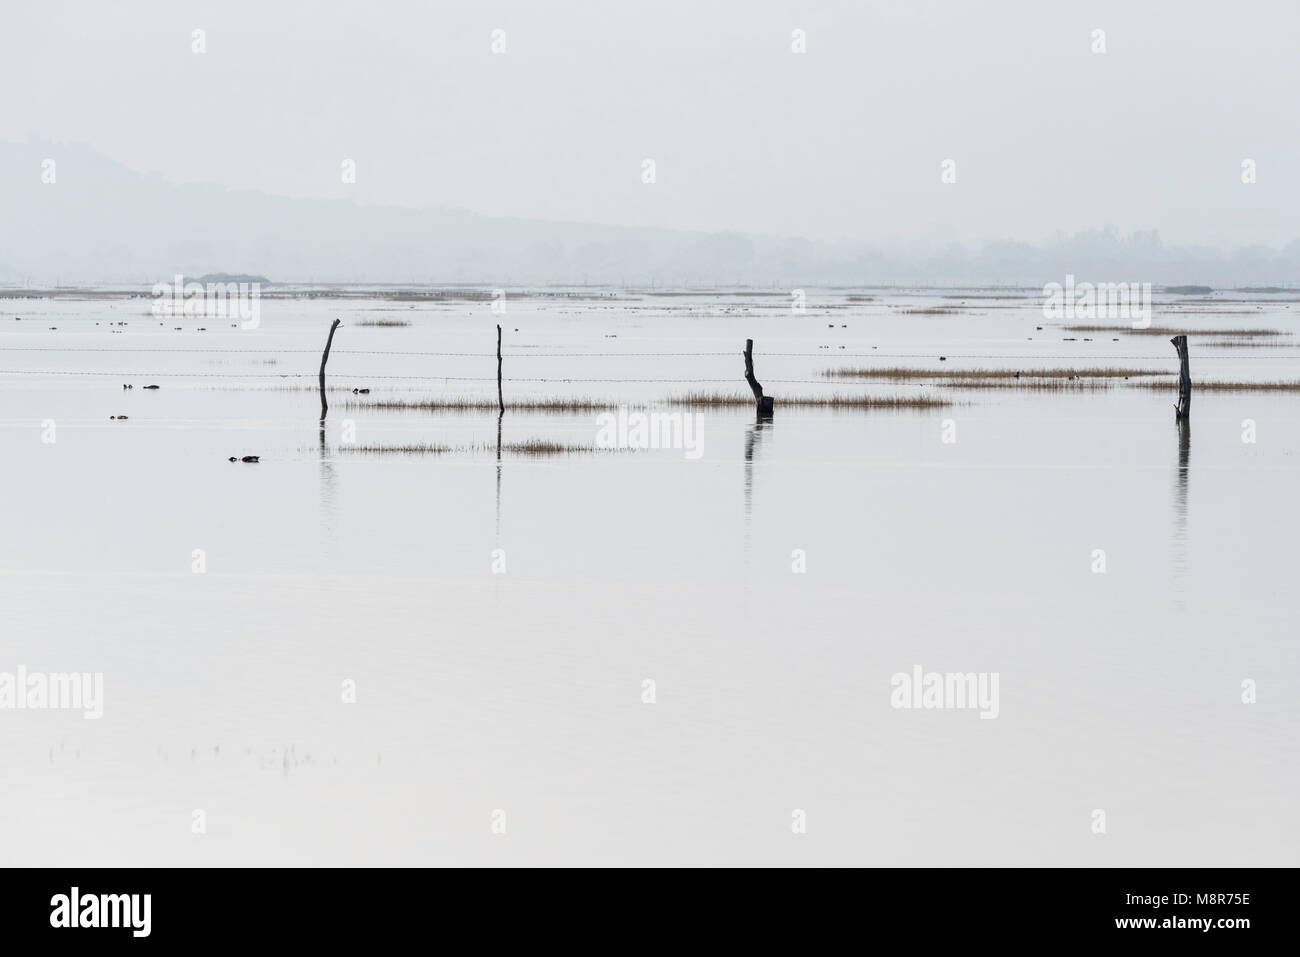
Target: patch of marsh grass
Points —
{"points": [[725, 400], [1025, 376], [1175, 331]]}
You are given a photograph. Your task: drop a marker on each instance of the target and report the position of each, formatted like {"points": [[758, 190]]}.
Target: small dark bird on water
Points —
{"points": [[117, 417]]}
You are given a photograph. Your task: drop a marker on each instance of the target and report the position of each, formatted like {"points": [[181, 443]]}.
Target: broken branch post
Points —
{"points": [[324, 406], [763, 402], [1184, 406]]}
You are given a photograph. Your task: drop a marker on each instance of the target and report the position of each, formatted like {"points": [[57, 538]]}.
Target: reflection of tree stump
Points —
{"points": [[324, 406], [1184, 406], [762, 402]]}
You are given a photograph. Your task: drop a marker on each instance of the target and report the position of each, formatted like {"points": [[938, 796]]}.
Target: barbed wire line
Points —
{"points": [[379, 352], [825, 354], [737, 380]]}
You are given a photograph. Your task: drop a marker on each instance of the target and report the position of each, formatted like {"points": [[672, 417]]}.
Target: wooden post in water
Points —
{"points": [[501, 402], [1184, 407], [763, 402], [325, 357]]}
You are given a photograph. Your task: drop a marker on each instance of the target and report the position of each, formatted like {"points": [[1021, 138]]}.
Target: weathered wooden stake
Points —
{"points": [[1184, 406], [324, 406], [763, 402], [501, 402]]}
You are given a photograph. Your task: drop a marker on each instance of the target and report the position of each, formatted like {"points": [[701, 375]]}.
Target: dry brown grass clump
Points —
{"points": [[724, 400], [905, 373], [544, 447], [1276, 385], [1241, 344], [410, 448], [1174, 331], [485, 404], [532, 447], [1028, 385]]}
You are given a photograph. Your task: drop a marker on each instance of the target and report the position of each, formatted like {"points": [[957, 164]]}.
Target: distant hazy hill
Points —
{"points": [[100, 222]]}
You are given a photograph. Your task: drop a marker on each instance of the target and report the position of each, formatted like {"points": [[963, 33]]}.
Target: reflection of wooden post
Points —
{"points": [[324, 406], [501, 403], [1184, 406], [499, 420], [764, 402]]}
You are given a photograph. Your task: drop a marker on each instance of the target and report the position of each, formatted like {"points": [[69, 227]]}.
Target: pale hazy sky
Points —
{"points": [[843, 141]]}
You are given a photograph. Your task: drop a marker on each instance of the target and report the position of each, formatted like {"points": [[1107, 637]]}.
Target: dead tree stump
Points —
{"points": [[501, 402], [1184, 407], [325, 357], [761, 401]]}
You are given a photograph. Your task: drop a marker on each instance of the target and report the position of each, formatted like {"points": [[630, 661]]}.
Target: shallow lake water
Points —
{"points": [[499, 616]]}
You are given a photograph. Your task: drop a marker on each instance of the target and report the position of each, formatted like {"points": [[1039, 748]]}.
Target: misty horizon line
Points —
{"points": [[107, 223], [1057, 236]]}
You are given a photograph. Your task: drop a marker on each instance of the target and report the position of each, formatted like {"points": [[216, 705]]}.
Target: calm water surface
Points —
{"points": [[522, 691]]}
